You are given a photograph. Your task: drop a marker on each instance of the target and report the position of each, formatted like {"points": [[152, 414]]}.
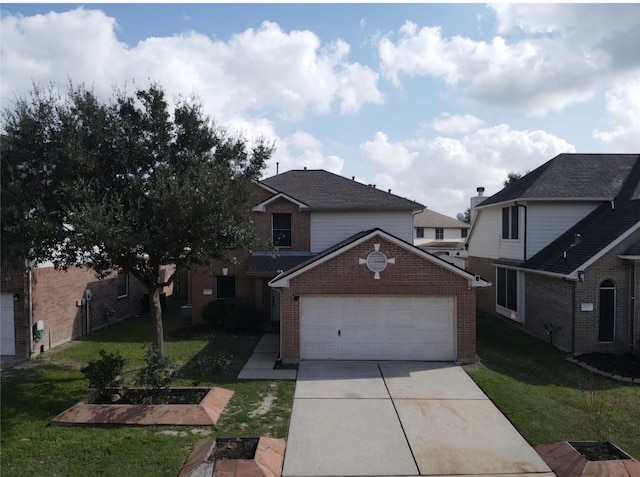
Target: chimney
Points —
{"points": [[475, 202]]}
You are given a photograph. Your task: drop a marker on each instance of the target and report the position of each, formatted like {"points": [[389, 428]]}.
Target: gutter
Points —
{"points": [[30, 302]]}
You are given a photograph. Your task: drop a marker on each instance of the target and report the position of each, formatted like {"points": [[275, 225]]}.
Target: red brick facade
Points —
{"points": [[55, 295], [410, 275]]}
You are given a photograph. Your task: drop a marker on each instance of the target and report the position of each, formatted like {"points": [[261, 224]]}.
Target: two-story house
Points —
{"points": [[562, 245], [441, 235], [345, 280]]}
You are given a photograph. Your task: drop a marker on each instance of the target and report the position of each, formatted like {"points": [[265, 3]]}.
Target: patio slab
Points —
{"points": [[340, 380], [343, 444], [465, 437], [415, 380]]}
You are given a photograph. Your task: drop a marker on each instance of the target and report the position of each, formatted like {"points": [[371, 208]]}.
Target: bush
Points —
{"points": [[157, 373], [103, 374], [237, 315]]}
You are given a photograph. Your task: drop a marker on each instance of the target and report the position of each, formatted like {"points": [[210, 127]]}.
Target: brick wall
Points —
{"points": [[55, 295], [410, 275], [300, 223], [485, 297], [549, 301]]}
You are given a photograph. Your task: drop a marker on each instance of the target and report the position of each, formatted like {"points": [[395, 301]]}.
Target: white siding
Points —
{"points": [[486, 240], [450, 235], [330, 228], [547, 221]]}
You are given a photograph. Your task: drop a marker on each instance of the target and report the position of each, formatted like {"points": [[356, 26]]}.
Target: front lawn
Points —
{"points": [[549, 399], [40, 389]]}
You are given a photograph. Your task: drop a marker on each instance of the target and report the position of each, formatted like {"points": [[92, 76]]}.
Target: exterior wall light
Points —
{"points": [[581, 275]]}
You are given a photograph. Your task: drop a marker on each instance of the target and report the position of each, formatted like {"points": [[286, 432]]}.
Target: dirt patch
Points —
{"points": [[626, 365], [265, 406], [235, 448]]}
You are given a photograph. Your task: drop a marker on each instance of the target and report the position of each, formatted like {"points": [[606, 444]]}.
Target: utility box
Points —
{"points": [[186, 311]]}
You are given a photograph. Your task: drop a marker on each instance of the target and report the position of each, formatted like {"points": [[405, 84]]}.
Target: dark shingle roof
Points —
{"points": [[572, 176], [633, 250], [271, 263], [597, 230], [323, 190]]}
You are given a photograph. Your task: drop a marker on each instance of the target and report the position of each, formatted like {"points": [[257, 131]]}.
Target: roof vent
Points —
{"points": [[305, 168]]}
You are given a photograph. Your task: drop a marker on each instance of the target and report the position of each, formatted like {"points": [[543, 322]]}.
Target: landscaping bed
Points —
{"points": [[625, 365]]}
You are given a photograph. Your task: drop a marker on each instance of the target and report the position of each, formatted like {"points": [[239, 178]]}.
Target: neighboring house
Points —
{"points": [[42, 308], [345, 281], [562, 245], [441, 235]]}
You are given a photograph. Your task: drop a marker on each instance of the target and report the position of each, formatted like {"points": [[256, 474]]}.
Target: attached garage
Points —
{"points": [[374, 327], [7, 331], [376, 297]]}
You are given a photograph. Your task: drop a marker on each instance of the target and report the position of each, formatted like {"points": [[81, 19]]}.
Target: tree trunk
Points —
{"points": [[156, 316]]}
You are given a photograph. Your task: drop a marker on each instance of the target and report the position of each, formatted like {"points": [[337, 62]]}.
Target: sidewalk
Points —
{"points": [[261, 363]]}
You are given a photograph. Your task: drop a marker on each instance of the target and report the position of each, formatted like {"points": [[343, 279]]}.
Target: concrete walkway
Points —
{"points": [[400, 419], [261, 363]]}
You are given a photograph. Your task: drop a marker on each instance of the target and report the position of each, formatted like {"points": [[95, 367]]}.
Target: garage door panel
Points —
{"points": [[377, 327]]}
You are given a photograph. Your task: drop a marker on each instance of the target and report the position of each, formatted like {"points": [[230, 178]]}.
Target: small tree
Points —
{"points": [[125, 185]]}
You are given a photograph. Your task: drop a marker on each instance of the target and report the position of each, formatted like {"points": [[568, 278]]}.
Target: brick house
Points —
{"points": [[344, 280], [563, 243], [57, 301]]}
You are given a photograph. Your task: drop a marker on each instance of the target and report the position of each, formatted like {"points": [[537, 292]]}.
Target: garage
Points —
{"points": [[7, 331], [374, 327]]}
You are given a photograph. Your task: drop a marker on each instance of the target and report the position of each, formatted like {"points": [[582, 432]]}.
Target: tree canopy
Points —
{"points": [[129, 184]]}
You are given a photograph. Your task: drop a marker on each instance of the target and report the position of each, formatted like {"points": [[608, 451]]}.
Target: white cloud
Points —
{"points": [[298, 75], [560, 55], [445, 172], [455, 124], [623, 110], [382, 154]]}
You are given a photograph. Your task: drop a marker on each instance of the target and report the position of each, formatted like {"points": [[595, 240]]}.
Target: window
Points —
{"points": [[225, 287], [281, 227], [464, 233], [507, 288], [607, 320], [439, 233], [123, 284], [510, 223], [420, 232]]}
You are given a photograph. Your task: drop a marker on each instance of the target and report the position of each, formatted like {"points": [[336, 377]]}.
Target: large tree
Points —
{"points": [[128, 185]]}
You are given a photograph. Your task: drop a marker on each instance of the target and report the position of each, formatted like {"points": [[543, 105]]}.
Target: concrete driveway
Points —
{"points": [[400, 419]]}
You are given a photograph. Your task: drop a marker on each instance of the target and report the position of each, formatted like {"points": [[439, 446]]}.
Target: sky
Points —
{"points": [[428, 100]]}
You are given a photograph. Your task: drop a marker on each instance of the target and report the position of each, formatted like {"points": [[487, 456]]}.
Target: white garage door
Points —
{"points": [[7, 333], [372, 327]]}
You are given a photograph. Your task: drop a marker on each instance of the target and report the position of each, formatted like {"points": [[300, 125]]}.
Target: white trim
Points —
{"points": [[474, 280], [629, 257], [545, 199], [261, 207]]}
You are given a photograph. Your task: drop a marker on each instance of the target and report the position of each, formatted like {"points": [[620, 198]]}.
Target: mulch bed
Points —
{"points": [[141, 396], [235, 448], [626, 365]]}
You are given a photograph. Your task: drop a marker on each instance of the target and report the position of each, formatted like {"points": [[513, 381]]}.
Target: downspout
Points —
{"points": [[633, 269], [525, 228], [30, 304], [573, 319]]}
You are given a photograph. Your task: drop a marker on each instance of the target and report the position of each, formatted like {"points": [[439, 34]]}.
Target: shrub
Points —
{"points": [[157, 373], [103, 374], [237, 315]]}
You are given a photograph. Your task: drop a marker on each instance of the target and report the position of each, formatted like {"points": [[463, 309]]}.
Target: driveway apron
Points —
{"points": [[399, 419]]}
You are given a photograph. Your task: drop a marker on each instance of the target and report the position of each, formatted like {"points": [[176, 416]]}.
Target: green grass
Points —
{"points": [[35, 393], [549, 399]]}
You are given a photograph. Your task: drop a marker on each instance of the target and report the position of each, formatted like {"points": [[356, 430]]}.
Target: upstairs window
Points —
{"points": [[420, 232], [439, 233], [510, 224], [123, 284], [225, 287], [464, 233], [281, 230]]}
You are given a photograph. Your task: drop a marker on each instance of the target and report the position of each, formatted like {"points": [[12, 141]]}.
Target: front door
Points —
{"points": [[275, 306], [607, 312]]}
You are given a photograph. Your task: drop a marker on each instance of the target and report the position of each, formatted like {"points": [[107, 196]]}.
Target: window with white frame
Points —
{"points": [[123, 284], [464, 233], [439, 233], [281, 230], [419, 232], [510, 225]]}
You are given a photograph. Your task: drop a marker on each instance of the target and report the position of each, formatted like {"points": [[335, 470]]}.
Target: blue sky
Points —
{"points": [[429, 100]]}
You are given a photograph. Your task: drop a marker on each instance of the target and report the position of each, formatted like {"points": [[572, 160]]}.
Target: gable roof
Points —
{"points": [[430, 218], [323, 190], [283, 279], [571, 177], [272, 263], [602, 229]]}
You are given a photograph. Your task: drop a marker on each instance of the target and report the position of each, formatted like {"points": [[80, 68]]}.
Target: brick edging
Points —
{"points": [[615, 377]]}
